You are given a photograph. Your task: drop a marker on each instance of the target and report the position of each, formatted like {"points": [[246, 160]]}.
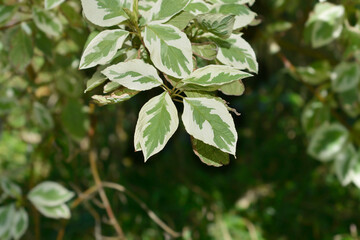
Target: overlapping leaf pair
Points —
{"points": [[163, 44]]}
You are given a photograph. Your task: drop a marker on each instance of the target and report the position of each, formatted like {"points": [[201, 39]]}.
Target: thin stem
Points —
{"points": [[167, 88], [84, 196], [98, 182], [177, 95], [142, 204], [177, 100]]}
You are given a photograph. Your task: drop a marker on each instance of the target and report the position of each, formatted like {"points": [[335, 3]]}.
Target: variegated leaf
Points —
{"points": [[236, 88], [236, 52], [314, 114], [20, 223], [49, 4], [208, 154], [47, 22], [6, 218], [325, 23], [198, 7], [208, 120], [55, 212], [103, 48], [207, 51], [170, 49], [250, 2], [163, 10], [111, 86], [6, 13], [96, 80], [10, 188], [145, 6], [134, 74], [49, 194], [157, 122], [243, 15], [218, 24], [118, 96], [215, 75], [181, 20], [106, 13], [346, 76], [344, 163], [327, 141]]}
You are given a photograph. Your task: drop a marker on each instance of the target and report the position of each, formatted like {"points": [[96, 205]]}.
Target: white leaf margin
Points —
{"points": [[206, 134]]}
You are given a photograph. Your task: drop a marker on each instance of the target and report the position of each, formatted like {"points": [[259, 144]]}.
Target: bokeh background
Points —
{"points": [[272, 190]]}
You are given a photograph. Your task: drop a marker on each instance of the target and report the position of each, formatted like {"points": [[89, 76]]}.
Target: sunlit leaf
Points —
{"points": [[327, 141], [170, 49], [157, 122], [103, 48], [208, 120], [134, 74], [49, 194], [106, 13]]}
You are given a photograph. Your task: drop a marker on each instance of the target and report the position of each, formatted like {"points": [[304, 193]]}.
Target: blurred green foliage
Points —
{"points": [[272, 190]]}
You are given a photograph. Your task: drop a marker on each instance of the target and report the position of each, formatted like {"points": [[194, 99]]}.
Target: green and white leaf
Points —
{"points": [[314, 115], [236, 88], [111, 86], [163, 10], [55, 212], [215, 75], [106, 13], [120, 95], [250, 2], [346, 76], [243, 15], [208, 154], [316, 73], [134, 74], [6, 13], [355, 172], [207, 51], [145, 6], [50, 4], [325, 23], [344, 163], [103, 48], [208, 120], [42, 116], [236, 52], [96, 80], [6, 218], [197, 7], [20, 223], [219, 24], [10, 189], [181, 20], [22, 49], [157, 122], [350, 102], [47, 22], [170, 49], [49, 194], [327, 141]]}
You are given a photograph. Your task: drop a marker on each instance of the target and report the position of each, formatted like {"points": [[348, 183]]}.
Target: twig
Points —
{"points": [[84, 196], [96, 176], [252, 230], [150, 213]]}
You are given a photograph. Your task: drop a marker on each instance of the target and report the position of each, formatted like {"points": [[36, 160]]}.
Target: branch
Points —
{"points": [[96, 176], [150, 213]]}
